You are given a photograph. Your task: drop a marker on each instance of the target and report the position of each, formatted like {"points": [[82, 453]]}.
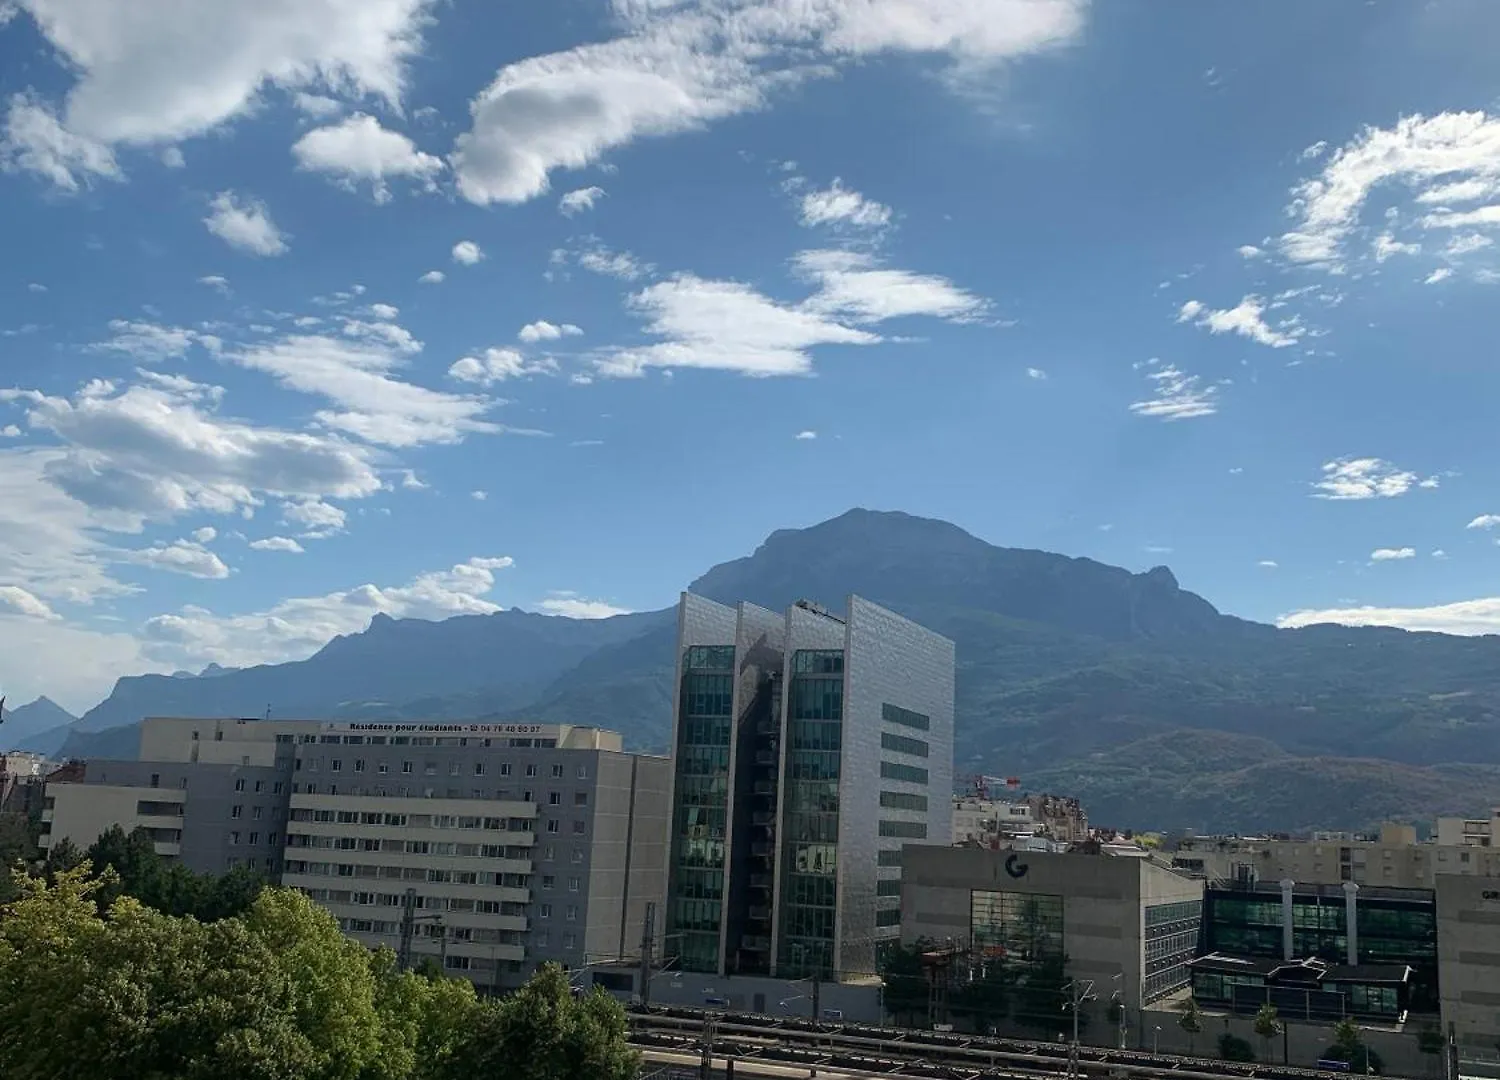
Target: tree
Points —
{"points": [[1191, 1021], [1430, 1041], [1267, 1026], [904, 983], [985, 999], [543, 1032], [1042, 998], [61, 856], [1349, 1046]]}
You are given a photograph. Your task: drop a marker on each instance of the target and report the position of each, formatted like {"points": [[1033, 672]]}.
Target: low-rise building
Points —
{"points": [[1468, 946], [488, 847], [1106, 918]]}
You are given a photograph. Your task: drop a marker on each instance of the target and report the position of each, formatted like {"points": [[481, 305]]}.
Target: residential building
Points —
{"points": [[1104, 918], [499, 846], [1469, 832], [990, 822], [22, 780], [809, 748]]}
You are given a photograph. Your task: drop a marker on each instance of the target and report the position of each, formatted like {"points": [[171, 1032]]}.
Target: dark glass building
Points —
{"points": [[808, 748]]}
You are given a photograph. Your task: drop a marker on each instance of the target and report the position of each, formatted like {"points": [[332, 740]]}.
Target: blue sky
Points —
{"points": [[316, 308]]}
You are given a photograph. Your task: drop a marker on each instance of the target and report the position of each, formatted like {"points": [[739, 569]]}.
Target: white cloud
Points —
{"points": [[1386, 245], [146, 74], [205, 535], [1176, 396], [1392, 554], [180, 557], [1460, 246], [467, 253], [1483, 216], [10, 431], [384, 335], [411, 482], [277, 543], [1314, 151], [497, 365], [807, 436], [245, 224], [573, 606], [841, 206], [384, 312], [1268, 564], [577, 202], [1366, 478], [681, 66], [172, 158], [36, 287], [216, 282], [1442, 273], [357, 377], [728, 326], [1444, 158], [1250, 251], [479, 496], [541, 330], [599, 259], [15, 599], [158, 450], [318, 518], [854, 286], [1467, 617], [35, 141], [1247, 319], [294, 629], [432, 277], [1036, 373], [1484, 521], [150, 343], [316, 106], [358, 149]]}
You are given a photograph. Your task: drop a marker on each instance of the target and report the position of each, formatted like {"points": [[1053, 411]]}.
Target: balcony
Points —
{"points": [[767, 757], [759, 913], [168, 849], [760, 881], [762, 787], [756, 943], [763, 817]]}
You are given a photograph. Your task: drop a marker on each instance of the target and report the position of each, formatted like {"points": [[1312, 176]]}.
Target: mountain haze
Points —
{"points": [[1121, 688]]}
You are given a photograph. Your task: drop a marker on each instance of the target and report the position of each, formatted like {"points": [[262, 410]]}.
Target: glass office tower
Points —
{"points": [[808, 748]]}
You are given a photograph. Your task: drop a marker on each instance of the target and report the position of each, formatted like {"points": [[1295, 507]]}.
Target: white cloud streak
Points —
{"points": [[1349, 479], [1176, 396], [244, 223], [1247, 318], [580, 201]]}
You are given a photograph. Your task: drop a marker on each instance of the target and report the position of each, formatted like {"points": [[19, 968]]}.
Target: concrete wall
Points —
{"points": [[1468, 922], [1305, 1042]]}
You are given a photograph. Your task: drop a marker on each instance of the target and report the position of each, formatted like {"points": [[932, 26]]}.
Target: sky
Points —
{"points": [[312, 309]]}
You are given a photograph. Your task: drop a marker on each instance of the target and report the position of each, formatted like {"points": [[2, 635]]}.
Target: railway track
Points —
{"points": [[859, 1049]]}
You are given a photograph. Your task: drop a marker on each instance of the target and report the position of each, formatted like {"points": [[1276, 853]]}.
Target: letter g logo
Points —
{"points": [[1015, 867]]}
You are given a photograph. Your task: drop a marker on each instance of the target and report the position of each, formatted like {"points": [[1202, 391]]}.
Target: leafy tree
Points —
{"points": [[543, 1032], [985, 999], [904, 990], [1234, 1048], [61, 856], [423, 1021], [1191, 1021], [1349, 1046], [1267, 1026]]}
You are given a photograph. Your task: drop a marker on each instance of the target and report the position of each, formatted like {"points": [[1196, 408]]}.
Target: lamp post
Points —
{"points": [[1118, 998], [1078, 993], [1155, 1039]]}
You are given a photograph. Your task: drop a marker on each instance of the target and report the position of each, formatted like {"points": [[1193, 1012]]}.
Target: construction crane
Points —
{"points": [[983, 786]]}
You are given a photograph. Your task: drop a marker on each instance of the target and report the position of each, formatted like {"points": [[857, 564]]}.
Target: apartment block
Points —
{"points": [[808, 748], [490, 848]]}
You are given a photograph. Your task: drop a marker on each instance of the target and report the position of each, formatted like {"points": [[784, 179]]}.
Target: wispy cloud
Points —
{"points": [[1366, 478], [1176, 396], [1247, 318], [1392, 554], [580, 201]]}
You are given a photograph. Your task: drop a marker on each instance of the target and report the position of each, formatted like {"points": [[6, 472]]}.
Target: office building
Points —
{"points": [[1100, 917], [1291, 944], [1468, 931], [808, 748], [506, 845]]}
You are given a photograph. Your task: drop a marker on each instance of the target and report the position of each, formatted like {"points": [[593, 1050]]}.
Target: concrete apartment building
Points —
{"points": [[1108, 917], [1468, 921], [508, 844], [1394, 859], [809, 748]]}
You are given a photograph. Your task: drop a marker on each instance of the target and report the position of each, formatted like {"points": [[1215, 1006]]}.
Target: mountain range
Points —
{"points": [[1121, 688]]}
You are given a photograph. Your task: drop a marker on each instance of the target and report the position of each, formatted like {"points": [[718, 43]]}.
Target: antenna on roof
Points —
{"points": [[268, 713]]}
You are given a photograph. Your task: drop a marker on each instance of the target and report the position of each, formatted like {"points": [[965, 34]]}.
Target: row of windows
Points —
{"points": [[410, 740], [409, 873], [709, 658], [888, 887], [1159, 914], [1161, 983], [254, 838], [260, 785], [236, 811], [1025, 927], [889, 917], [900, 800], [409, 847], [808, 922], [902, 745], [818, 662], [816, 735], [907, 830], [409, 768], [893, 714], [910, 774], [811, 890], [815, 698], [888, 858], [413, 821], [707, 695]]}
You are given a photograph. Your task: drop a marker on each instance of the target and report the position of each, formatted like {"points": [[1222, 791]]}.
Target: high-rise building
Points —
{"points": [[808, 747], [490, 848]]}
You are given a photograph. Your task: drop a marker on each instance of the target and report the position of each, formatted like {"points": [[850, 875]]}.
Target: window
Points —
{"points": [[540, 938], [255, 812], [554, 798], [905, 717], [156, 779], [1025, 926], [505, 768], [276, 788], [578, 854], [888, 888], [254, 838], [359, 764], [906, 773], [478, 768], [544, 911], [260, 785], [573, 883], [890, 917], [553, 826], [234, 838], [583, 772], [337, 764], [236, 811], [899, 800], [580, 827], [454, 768], [406, 767], [570, 941], [902, 745], [549, 853], [548, 881], [557, 772], [580, 798], [889, 858], [907, 830], [531, 770], [239, 785], [572, 912]]}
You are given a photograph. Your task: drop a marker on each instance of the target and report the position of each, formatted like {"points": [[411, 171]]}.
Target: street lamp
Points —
{"points": [[1118, 998], [1078, 993], [1155, 1039]]}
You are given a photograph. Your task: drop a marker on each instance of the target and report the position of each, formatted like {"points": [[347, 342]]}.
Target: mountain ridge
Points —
{"points": [[1063, 662]]}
